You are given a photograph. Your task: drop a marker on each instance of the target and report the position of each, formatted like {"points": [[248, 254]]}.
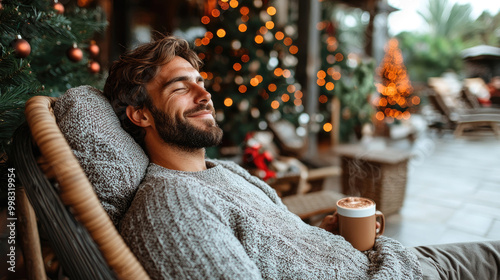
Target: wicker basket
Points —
{"points": [[381, 178]]}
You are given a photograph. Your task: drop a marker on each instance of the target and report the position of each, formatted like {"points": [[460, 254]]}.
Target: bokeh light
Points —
{"points": [[221, 33], [242, 27], [272, 87], [271, 10], [279, 35], [228, 102], [327, 127], [205, 20], [259, 39], [275, 104], [237, 66]]}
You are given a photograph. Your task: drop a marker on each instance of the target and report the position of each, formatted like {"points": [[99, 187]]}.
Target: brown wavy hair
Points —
{"points": [[128, 76]]}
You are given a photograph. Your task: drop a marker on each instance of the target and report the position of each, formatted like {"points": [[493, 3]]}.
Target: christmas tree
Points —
{"points": [[249, 65], [396, 93], [46, 48]]}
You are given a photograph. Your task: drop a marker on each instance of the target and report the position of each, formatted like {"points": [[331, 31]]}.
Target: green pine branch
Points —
{"points": [[47, 70]]}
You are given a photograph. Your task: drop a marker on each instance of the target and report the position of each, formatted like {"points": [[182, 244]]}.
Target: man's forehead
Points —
{"points": [[177, 67]]}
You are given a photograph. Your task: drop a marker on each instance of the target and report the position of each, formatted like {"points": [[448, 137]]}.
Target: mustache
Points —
{"points": [[200, 107]]}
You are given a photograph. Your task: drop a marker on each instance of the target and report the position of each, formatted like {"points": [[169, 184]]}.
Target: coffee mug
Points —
{"points": [[357, 221]]}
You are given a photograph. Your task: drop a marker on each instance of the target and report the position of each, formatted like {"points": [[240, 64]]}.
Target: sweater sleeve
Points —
{"points": [[390, 260], [182, 233]]}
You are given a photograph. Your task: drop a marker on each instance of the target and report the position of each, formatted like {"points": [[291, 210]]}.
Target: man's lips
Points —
{"points": [[201, 114]]}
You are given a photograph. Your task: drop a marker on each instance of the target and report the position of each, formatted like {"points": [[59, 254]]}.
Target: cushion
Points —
{"points": [[114, 163]]}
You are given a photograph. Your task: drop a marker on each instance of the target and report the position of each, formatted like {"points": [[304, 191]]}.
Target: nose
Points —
{"points": [[201, 94]]}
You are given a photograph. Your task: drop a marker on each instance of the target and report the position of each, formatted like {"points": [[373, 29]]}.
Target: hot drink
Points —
{"points": [[357, 221], [355, 202]]}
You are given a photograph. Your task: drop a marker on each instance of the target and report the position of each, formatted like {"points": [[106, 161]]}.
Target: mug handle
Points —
{"points": [[380, 231]]}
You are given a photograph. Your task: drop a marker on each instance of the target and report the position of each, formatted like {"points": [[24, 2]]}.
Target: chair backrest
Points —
{"points": [[439, 104], [470, 99], [290, 144], [76, 193]]}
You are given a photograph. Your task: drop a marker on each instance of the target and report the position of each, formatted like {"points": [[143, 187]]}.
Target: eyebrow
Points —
{"points": [[180, 79]]}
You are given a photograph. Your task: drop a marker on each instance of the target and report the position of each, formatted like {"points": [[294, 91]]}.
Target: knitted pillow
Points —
{"points": [[114, 163]]}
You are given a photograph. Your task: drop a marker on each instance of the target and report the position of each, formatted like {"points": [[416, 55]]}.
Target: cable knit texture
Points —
{"points": [[114, 163], [223, 223]]}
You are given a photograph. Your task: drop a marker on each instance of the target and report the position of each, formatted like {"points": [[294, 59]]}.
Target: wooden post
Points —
{"points": [[370, 8], [312, 67], [335, 122], [30, 240]]}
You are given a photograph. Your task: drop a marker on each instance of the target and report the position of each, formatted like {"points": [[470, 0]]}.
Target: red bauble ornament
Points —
{"points": [[21, 47], [59, 8], [94, 50], [94, 67], [74, 54]]}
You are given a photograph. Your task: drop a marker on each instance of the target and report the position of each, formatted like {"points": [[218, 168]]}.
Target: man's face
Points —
{"points": [[182, 109]]}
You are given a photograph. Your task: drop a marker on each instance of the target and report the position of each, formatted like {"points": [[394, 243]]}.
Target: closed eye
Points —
{"points": [[181, 89], [181, 84]]}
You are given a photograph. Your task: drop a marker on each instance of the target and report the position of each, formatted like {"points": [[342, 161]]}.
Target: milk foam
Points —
{"points": [[355, 202], [355, 207]]}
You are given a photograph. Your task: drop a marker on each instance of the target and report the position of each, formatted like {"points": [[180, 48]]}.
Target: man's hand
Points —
{"points": [[331, 223]]}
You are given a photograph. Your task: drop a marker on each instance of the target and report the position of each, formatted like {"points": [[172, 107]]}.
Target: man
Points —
{"points": [[194, 218]]}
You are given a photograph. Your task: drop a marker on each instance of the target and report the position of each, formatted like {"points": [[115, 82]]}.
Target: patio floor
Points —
{"points": [[453, 191]]}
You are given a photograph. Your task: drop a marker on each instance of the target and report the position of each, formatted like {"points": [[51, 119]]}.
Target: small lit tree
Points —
{"points": [[396, 93]]}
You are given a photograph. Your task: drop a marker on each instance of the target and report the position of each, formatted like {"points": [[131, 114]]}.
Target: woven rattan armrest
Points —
{"points": [[75, 189], [314, 203]]}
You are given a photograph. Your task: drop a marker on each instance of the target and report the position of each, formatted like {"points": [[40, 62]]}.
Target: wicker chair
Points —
{"points": [[79, 230]]}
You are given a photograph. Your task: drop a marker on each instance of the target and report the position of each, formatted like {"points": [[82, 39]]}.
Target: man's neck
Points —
{"points": [[176, 158]]}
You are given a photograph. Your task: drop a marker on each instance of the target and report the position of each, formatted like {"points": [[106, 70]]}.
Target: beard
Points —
{"points": [[181, 133]]}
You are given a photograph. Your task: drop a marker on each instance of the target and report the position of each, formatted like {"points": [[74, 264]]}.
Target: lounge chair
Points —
{"points": [[472, 103], [462, 120]]}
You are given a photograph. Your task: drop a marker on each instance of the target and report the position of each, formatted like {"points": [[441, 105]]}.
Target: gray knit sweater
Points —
{"points": [[223, 223]]}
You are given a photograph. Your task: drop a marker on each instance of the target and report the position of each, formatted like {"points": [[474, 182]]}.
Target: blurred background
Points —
{"points": [[264, 60], [326, 67]]}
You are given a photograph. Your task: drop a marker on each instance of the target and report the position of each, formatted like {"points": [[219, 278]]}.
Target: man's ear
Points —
{"points": [[138, 117]]}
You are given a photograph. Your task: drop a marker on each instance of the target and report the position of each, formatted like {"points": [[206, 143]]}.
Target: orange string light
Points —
{"points": [[327, 127], [279, 35], [259, 39], [242, 27], [271, 10], [275, 104]]}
